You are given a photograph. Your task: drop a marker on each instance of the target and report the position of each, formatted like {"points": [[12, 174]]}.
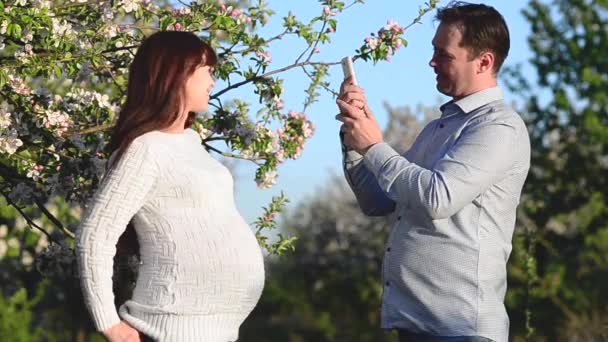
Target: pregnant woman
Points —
{"points": [[201, 271]]}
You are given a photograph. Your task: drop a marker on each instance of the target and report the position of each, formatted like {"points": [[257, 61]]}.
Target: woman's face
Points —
{"points": [[198, 87]]}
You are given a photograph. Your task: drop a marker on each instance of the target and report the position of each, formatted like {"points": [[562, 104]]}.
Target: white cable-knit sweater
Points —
{"points": [[201, 271]]}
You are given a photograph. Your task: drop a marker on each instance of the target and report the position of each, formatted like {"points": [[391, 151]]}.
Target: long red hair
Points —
{"points": [[155, 96], [157, 79]]}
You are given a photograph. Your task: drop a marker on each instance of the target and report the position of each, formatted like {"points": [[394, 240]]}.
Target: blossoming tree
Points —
{"points": [[64, 70]]}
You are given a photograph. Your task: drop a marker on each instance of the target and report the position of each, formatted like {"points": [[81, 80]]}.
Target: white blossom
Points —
{"points": [[43, 242], [41, 4], [267, 180], [13, 243], [9, 141], [27, 259], [5, 120], [3, 249], [130, 5], [3, 231], [34, 172], [61, 28], [111, 31], [18, 85], [107, 14], [27, 37]]}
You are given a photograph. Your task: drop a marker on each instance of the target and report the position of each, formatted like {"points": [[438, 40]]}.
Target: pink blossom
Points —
{"points": [[328, 12], [280, 155], [372, 42], [298, 153]]}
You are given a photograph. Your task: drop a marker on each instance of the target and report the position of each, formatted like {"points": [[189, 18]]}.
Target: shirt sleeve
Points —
{"points": [[122, 192], [370, 197], [482, 155]]}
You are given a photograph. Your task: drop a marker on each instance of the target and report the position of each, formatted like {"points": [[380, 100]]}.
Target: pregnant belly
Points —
{"points": [[209, 274]]}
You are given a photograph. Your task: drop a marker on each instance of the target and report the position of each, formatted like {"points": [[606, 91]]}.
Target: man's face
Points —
{"points": [[455, 71]]}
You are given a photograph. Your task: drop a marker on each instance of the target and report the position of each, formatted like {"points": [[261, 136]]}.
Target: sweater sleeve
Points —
{"points": [[122, 192]]}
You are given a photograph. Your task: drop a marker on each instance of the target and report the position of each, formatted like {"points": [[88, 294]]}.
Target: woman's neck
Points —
{"points": [[177, 126]]}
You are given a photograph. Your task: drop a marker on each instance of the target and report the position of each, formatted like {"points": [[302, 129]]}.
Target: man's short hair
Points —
{"points": [[482, 27]]}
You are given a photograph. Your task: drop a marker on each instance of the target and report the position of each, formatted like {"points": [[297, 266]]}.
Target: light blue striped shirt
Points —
{"points": [[454, 194]]}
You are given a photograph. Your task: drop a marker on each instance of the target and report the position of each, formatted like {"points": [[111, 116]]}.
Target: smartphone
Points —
{"points": [[348, 69]]}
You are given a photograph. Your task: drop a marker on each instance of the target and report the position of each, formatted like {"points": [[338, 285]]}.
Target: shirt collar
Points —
{"points": [[473, 101]]}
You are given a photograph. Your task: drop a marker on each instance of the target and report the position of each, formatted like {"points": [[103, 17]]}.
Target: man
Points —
{"points": [[454, 193]]}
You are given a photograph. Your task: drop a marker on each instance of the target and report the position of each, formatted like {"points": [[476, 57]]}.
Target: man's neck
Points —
{"points": [[482, 86]]}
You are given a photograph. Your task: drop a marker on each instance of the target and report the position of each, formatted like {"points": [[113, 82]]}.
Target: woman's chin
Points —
{"points": [[201, 108]]}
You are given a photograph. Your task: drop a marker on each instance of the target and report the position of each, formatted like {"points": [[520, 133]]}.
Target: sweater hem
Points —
{"points": [[170, 327]]}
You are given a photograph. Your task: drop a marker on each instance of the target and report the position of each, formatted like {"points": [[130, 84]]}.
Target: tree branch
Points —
{"points": [[7, 172], [270, 73], [230, 155], [52, 218], [95, 129], [29, 221]]}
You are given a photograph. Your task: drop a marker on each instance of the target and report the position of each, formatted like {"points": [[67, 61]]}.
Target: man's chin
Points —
{"points": [[443, 90]]}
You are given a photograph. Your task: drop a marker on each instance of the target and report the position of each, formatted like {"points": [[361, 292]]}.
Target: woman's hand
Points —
{"points": [[121, 332]]}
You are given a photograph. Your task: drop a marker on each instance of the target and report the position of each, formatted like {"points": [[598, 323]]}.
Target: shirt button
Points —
{"points": [[388, 249], [441, 125], [388, 284]]}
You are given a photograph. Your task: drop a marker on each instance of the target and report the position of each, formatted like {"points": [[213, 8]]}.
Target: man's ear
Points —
{"points": [[485, 62]]}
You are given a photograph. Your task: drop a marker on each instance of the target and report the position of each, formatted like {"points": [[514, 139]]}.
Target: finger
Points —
{"points": [[353, 97], [349, 81], [355, 103], [346, 120], [344, 107], [351, 88], [349, 110]]}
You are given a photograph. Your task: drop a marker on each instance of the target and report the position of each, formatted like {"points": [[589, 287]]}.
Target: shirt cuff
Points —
{"points": [[377, 156], [351, 157]]}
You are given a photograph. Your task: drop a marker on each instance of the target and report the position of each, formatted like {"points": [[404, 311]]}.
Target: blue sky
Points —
{"points": [[406, 80]]}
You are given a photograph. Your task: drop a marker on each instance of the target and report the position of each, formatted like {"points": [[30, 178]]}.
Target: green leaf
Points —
{"points": [[58, 71]]}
